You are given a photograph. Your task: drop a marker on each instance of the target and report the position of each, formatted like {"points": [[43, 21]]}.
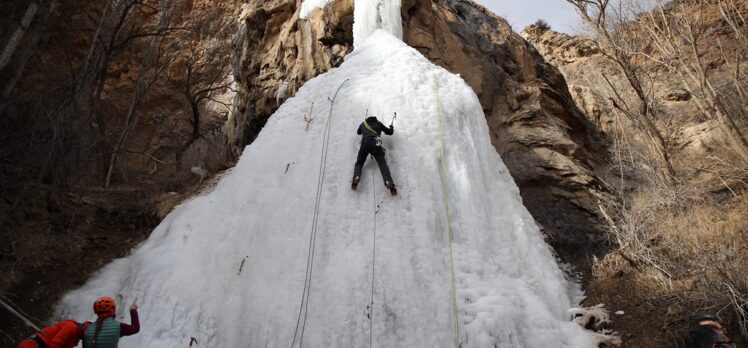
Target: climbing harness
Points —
{"points": [[377, 140], [304, 306], [366, 124], [445, 190]]}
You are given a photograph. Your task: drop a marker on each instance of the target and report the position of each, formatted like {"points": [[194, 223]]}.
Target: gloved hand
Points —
{"points": [[392, 127]]}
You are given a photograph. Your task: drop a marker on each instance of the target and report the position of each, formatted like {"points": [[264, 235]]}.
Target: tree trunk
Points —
{"points": [[26, 56], [195, 120], [123, 136], [103, 74], [15, 39]]}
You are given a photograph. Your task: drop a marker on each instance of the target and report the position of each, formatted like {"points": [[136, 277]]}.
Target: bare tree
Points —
{"points": [[155, 62], [206, 68], [616, 46], [678, 36], [122, 31]]}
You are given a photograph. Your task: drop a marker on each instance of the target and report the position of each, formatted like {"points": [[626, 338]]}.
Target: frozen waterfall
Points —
{"points": [[330, 267]]}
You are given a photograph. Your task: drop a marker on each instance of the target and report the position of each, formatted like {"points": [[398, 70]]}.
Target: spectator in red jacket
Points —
{"points": [[63, 334]]}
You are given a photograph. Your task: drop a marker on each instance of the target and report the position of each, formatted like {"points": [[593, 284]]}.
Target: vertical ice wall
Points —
{"points": [[370, 15]]}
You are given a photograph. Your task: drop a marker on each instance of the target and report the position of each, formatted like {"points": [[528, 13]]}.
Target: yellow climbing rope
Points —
{"points": [[445, 190]]}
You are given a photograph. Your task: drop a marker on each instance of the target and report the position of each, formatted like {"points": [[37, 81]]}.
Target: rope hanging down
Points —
{"points": [[373, 257], [445, 190], [304, 306]]}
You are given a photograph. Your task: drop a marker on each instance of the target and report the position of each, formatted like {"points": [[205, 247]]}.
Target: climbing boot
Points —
{"points": [[391, 186], [354, 183]]}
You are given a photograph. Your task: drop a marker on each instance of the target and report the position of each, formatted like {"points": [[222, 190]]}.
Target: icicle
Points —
{"points": [[280, 93], [371, 15]]}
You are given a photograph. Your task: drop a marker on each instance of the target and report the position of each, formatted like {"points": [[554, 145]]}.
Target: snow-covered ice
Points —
{"points": [[510, 290]]}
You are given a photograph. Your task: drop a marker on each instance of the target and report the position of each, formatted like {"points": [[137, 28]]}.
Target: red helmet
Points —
{"points": [[105, 306]]}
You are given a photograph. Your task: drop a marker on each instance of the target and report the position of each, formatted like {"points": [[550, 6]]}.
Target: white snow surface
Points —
{"points": [[372, 15], [510, 290], [308, 5]]}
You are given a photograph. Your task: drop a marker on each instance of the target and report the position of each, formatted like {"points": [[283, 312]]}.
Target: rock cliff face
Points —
{"points": [[276, 52], [583, 65], [544, 139], [590, 75]]}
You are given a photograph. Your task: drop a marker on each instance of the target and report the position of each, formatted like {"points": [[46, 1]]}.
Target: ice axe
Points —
{"points": [[393, 120]]}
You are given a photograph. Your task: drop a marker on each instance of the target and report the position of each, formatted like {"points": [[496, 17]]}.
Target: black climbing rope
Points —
{"points": [[304, 306]]}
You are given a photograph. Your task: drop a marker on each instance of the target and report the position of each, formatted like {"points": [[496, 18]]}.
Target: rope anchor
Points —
{"points": [[242, 265], [288, 165], [368, 310]]}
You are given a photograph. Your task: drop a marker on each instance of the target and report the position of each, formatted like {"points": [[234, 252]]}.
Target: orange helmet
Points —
{"points": [[105, 306]]}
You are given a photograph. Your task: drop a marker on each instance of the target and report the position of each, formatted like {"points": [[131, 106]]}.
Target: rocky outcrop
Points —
{"points": [[545, 141], [595, 82], [276, 52], [585, 69]]}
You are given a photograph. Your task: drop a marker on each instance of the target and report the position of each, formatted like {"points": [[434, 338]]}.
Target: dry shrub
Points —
{"points": [[681, 244], [166, 202]]}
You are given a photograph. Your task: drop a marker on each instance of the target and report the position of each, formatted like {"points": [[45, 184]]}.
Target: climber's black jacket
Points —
{"points": [[376, 128], [371, 144]]}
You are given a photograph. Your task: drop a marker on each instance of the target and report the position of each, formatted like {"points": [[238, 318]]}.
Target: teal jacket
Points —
{"points": [[108, 337], [111, 331]]}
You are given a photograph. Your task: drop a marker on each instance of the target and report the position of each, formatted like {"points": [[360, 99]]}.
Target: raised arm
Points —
{"points": [[387, 130], [134, 326]]}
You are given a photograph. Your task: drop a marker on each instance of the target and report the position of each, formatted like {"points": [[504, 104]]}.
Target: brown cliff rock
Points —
{"points": [[590, 76], [582, 63], [273, 48]]}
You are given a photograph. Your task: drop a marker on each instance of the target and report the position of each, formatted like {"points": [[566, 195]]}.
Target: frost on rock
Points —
{"points": [[597, 316], [308, 5], [371, 15], [280, 93], [608, 338]]}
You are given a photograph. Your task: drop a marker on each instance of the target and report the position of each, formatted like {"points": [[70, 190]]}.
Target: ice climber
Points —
{"points": [[371, 143], [106, 331], [63, 334]]}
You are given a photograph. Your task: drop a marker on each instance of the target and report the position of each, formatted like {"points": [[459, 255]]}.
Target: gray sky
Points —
{"points": [[520, 13]]}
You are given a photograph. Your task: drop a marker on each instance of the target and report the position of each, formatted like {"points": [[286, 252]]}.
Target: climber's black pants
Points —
{"points": [[369, 146]]}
